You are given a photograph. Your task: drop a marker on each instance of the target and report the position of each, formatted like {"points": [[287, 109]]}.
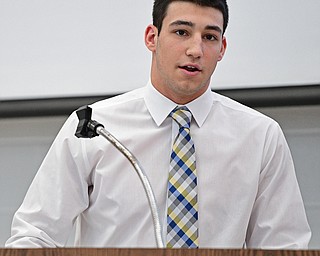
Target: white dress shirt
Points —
{"points": [[247, 189]]}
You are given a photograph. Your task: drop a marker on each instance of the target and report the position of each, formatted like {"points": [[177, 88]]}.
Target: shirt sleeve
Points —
{"points": [[57, 195], [278, 217]]}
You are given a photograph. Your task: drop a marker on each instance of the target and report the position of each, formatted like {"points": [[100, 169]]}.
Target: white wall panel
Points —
{"points": [[81, 47]]}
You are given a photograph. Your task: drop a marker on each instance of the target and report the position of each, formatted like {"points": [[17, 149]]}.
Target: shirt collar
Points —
{"points": [[199, 107]]}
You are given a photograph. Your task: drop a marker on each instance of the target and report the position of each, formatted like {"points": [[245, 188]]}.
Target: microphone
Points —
{"points": [[88, 128]]}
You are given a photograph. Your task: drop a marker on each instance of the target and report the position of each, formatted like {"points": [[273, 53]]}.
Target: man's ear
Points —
{"points": [[223, 48], [150, 37]]}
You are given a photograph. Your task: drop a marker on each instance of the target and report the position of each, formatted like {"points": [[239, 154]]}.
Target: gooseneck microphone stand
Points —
{"points": [[88, 128]]}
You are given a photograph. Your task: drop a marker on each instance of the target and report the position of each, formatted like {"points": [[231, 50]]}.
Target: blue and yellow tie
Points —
{"points": [[182, 218]]}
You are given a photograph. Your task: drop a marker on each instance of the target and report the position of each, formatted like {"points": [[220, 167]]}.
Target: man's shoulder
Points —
{"points": [[234, 107], [120, 99]]}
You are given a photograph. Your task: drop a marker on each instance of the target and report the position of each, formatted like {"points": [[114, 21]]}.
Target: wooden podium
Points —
{"points": [[153, 252]]}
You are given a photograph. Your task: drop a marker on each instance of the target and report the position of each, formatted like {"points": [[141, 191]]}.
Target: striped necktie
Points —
{"points": [[182, 218]]}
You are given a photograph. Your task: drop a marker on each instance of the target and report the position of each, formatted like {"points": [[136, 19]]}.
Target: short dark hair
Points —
{"points": [[160, 8]]}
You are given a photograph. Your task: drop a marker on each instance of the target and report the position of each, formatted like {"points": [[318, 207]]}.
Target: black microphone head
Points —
{"points": [[83, 130]]}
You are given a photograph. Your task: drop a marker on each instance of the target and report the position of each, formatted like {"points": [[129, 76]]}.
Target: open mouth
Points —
{"points": [[190, 68]]}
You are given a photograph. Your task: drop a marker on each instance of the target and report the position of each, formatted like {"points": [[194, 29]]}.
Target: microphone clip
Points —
{"points": [[87, 128]]}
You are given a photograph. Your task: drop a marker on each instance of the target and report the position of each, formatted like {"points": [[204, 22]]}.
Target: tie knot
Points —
{"points": [[182, 116]]}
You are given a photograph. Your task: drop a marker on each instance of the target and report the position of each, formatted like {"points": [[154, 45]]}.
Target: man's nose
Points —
{"points": [[195, 47]]}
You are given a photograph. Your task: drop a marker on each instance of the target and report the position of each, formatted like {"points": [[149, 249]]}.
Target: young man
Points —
{"points": [[247, 193]]}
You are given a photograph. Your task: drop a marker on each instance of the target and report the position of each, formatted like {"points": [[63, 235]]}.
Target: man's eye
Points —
{"points": [[210, 37], [181, 32]]}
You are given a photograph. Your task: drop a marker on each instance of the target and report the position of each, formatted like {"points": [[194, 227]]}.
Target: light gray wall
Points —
{"points": [[25, 141], [81, 47]]}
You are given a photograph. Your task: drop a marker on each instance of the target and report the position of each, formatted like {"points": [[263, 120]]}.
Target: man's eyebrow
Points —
{"points": [[191, 24], [215, 28], [182, 22]]}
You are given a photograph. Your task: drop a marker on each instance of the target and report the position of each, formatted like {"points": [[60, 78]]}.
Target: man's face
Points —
{"points": [[186, 52]]}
